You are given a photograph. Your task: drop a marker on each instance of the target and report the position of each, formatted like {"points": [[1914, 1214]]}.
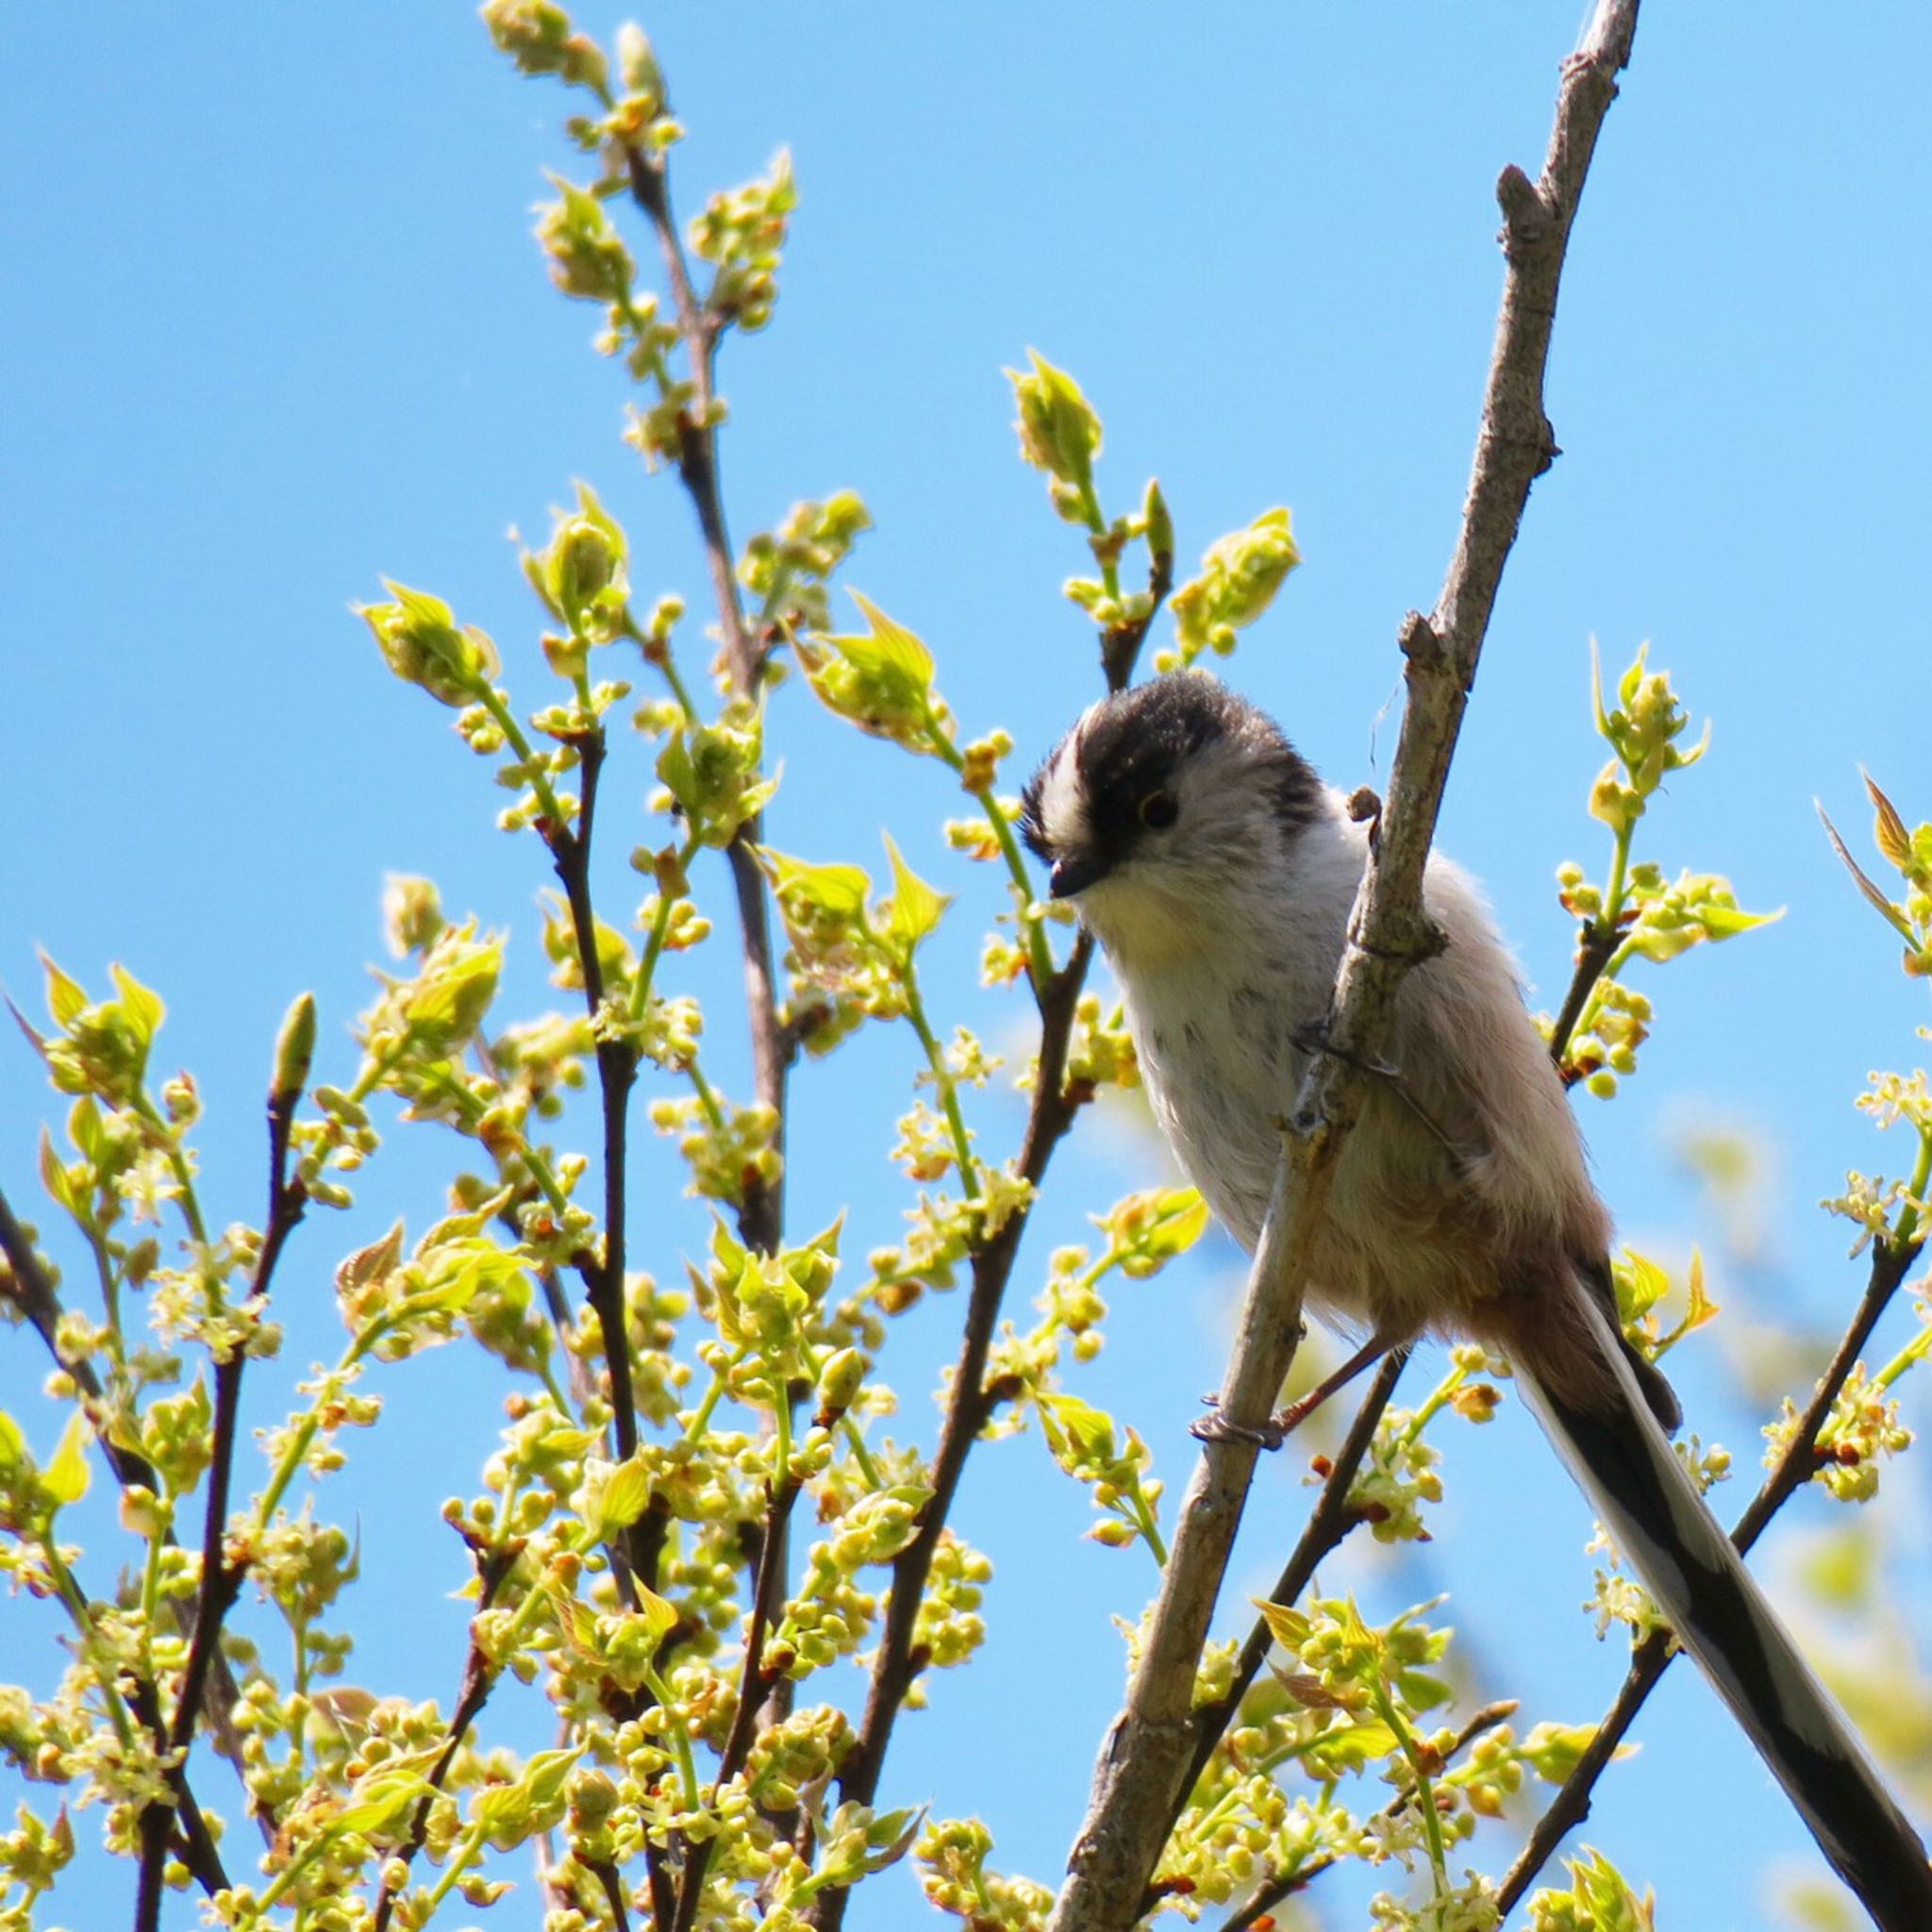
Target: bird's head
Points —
{"points": [[1161, 797]]}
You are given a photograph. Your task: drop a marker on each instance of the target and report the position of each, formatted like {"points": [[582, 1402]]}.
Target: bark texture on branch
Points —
{"points": [[1146, 1760]]}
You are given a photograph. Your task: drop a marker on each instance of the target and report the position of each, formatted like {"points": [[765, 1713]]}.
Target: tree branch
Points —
{"points": [[767, 1599], [774, 1046], [1139, 1779], [221, 1580], [1652, 1658], [493, 1569], [897, 1663], [761, 1219], [1328, 1523], [617, 1066]]}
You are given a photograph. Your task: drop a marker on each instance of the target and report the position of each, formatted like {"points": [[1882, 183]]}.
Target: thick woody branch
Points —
{"points": [[1652, 1658], [1140, 1780]]}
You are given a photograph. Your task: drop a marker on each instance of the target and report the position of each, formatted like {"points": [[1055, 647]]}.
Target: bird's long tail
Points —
{"points": [[1614, 1448]]}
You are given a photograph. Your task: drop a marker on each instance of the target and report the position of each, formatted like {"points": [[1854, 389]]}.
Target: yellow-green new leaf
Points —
{"points": [[65, 1480], [916, 909], [1285, 1624], [143, 1007], [66, 997], [839, 890], [382, 1802], [1892, 916]]}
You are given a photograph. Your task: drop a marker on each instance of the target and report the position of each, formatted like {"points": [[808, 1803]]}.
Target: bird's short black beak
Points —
{"points": [[1074, 874]]}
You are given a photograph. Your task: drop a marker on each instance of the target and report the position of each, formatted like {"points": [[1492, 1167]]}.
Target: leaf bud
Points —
{"points": [[1059, 432], [421, 642], [839, 1381], [636, 65], [1160, 523], [295, 1051]]}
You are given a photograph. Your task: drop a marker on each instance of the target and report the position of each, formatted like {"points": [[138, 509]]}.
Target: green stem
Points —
{"points": [[1226, 1803], [474, 1107], [177, 1163], [460, 1860], [1143, 1515], [714, 1111], [1614, 894], [855, 1441], [76, 1605], [661, 928], [781, 1423], [289, 1873], [491, 701], [1436, 1400], [151, 1594], [947, 1086], [1096, 521], [680, 1738], [299, 1442], [701, 1418], [1424, 1787], [1040, 967], [110, 1290], [1907, 1231]]}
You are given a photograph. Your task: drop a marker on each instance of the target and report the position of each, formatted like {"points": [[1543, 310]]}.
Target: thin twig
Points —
{"points": [[30, 1289], [493, 1569], [1329, 1521], [761, 1216], [1593, 951], [1143, 1763], [774, 1046], [613, 1895], [897, 1663], [196, 1843], [1650, 1659], [221, 1580], [767, 1599], [617, 1065], [27, 1286]]}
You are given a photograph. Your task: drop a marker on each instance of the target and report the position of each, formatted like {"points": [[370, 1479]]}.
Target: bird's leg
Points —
{"points": [[1216, 1427]]}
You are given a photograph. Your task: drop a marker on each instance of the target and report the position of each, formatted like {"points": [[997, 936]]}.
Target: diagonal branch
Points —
{"points": [[1328, 1523], [25, 1283], [1652, 1658], [897, 1663], [1143, 1763], [1331, 1520]]}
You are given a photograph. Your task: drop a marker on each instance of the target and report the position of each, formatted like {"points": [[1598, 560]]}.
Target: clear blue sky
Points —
{"points": [[276, 325]]}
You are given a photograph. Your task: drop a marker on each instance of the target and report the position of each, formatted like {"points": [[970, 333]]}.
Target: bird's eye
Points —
{"points": [[1159, 810]]}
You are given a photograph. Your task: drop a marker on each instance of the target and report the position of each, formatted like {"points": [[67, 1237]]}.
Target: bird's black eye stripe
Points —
{"points": [[1159, 810]]}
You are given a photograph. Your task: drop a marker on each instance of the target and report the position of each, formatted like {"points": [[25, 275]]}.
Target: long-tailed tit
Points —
{"points": [[1218, 872]]}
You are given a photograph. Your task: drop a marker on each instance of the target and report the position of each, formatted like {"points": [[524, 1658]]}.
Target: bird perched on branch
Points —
{"points": [[1218, 871]]}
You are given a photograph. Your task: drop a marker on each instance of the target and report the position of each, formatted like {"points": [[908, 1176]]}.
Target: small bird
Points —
{"points": [[1218, 872]]}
